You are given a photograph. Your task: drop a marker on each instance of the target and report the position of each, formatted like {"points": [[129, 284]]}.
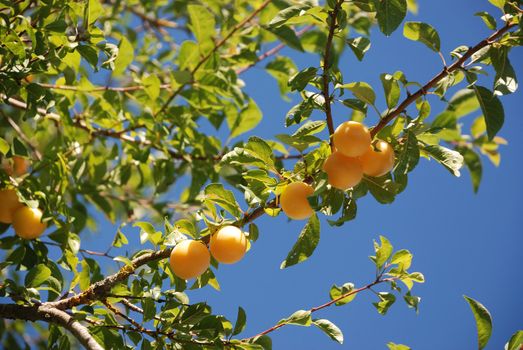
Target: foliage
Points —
{"points": [[107, 99]]}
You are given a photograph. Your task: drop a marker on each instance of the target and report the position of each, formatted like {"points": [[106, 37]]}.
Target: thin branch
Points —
{"points": [[48, 314], [212, 52], [444, 73], [272, 51], [135, 308], [100, 88], [22, 135], [323, 306], [333, 15], [87, 251]]}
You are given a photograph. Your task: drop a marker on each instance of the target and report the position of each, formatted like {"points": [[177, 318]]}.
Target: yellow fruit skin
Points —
{"points": [[343, 172], [378, 163], [8, 205], [228, 245], [27, 223], [293, 200], [352, 139], [189, 259]]}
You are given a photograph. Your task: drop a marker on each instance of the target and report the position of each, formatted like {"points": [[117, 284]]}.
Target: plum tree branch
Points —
{"points": [[323, 306], [333, 15], [436, 79], [212, 52], [49, 314]]}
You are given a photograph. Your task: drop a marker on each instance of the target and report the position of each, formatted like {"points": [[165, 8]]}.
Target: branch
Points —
{"points": [[100, 289], [22, 135], [51, 315], [323, 306], [212, 52], [99, 88], [87, 251], [333, 15], [444, 73], [272, 51]]}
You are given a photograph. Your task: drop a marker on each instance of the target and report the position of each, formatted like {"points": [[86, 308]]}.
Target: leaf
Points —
{"points": [[217, 194], [152, 86], [241, 321], [488, 19], [393, 346], [4, 146], [505, 82], [386, 301], [95, 9], [359, 46], [259, 148], [383, 251], [202, 24], [330, 329], [286, 14], [498, 3], [463, 103], [409, 156], [337, 292], [424, 33], [403, 258], [310, 128], [391, 88], [299, 318], [451, 160], [300, 80], [473, 163], [281, 68], [37, 275], [390, 14], [483, 321], [246, 120], [306, 243], [492, 110], [287, 36], [124, 260], [382, 188], [146, 230], [125, 56], [515, 342], [361, 90], [89, 54], [355, 104]]}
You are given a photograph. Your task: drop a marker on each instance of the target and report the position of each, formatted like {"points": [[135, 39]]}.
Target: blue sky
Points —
{"points": [[464, 243]]}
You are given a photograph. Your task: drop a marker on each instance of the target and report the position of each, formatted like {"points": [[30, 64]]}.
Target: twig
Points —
{"points": [[100, 88], [212, 52], [272, 51], [22, 135], [323, 306], [326, 67], [87, 251], [444, 73]]}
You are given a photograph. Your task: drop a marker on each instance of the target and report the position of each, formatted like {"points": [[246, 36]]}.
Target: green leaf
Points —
{"points": [[300, 80], [259, 148], [282, 68], [515, 342], [382, 188], [391, 88], [390, 14], [299, 318], [463, 103], [383, 251], [409, 156], [124, 260], [152, 86], [310, 128], [217, 194], [361, 90], [246, 120], [202, 25], [330, 329], [95, 10], [359, 46], [451, 160], [37, 275], [306, 243], [287, 36], [337, 292], [492, 110], [4, 146], [402, 258], [125, 56], [483, 321], [498, 3], [241, 321], [355, 104], [424, 33], [505, 82], [286, 14], [473, 163], [393, 346], [89, 54], [146, 230], [488, 19], [386, 301]]}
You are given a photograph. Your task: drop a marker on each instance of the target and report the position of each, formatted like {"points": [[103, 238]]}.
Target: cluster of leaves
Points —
{"points": [[111, 101]]}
